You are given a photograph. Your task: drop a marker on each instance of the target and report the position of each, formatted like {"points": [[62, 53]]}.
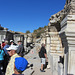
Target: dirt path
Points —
{"points": [[34, 59]]}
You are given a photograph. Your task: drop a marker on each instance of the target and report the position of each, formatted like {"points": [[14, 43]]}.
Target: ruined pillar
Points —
{"points": [[67, 34], [48, 49], [25, 42], [55, 51]]}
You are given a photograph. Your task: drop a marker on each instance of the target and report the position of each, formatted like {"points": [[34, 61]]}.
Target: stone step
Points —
{"points": [[56, 51], [71, 41], [56, 46], [52, 47], [55, 42], [59, 45], [71, 45], [71, 38], [55, 39], [70, 34]]}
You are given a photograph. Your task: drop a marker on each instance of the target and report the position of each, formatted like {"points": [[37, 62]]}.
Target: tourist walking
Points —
{"points": [[43, 57], [12, 52], [20, 49], [20, 65]]}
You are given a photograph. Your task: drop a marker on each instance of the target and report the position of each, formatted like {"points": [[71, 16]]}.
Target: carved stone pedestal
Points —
{"points": [[67, 34]]}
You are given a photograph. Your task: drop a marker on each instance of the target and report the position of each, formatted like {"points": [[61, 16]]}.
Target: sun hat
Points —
{"points": [[12, 47], [11, 41], [2, 40], [21, 63], [19, 41]]}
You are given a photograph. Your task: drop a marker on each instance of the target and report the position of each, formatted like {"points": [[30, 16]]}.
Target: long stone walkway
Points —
{"points": [[34, 59]]}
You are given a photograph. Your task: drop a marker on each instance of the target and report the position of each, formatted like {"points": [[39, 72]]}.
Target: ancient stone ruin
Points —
{"points": [[60, 40], [16, 36]]}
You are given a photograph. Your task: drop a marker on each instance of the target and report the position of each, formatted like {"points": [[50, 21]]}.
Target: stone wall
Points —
{"points": [[18, 37], [68, 39], [2, 35], [63, 22], [10, 35]]}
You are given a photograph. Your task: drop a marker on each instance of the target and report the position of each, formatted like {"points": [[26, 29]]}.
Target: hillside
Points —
{"points": [[37, 33]]}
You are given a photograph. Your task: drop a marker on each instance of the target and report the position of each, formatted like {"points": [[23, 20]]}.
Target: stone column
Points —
{"points": [[4, 37], [48, 49], [29, 38], [65, 44], [68, 38], [71, 52], [55, 64], [43, 40], [60, 69], [65, 63], [25, 42]]}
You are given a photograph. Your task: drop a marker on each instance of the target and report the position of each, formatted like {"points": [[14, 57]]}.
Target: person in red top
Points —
{"points": [[3, 44]]}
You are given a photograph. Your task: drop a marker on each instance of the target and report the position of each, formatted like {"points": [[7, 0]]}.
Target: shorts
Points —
{"points": [[43, 60]]}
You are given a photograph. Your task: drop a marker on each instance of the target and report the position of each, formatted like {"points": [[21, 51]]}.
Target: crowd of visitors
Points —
{"points": [[11, 58]]}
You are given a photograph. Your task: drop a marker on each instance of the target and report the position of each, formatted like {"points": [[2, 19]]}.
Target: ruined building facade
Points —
{"points": [[60, 40], [10, 35], [16, 36]]}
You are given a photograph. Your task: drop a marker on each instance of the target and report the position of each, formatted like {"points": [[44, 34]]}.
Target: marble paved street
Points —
{"points": [[34, 59]]}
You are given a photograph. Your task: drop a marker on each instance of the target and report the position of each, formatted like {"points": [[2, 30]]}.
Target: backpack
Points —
{"points": [[40, 53]]}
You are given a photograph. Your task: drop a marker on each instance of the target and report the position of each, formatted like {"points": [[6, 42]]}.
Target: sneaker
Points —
{"points": [[42, 70]]}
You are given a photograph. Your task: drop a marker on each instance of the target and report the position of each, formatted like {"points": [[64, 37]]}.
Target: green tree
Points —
{"points": [[39, 28], [45, 26], [35, 31], [27, 31]]}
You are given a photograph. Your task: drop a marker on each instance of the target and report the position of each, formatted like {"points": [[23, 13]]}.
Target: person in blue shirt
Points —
{"points": [[20, 65], [6, 46], [6, 57], [2, 53]]}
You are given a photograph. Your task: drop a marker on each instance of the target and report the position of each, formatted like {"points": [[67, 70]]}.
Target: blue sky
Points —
{"points": [[23, 15]]}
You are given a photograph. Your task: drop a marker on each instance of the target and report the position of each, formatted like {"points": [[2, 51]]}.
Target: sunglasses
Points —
{"points": [[9, 50]]}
